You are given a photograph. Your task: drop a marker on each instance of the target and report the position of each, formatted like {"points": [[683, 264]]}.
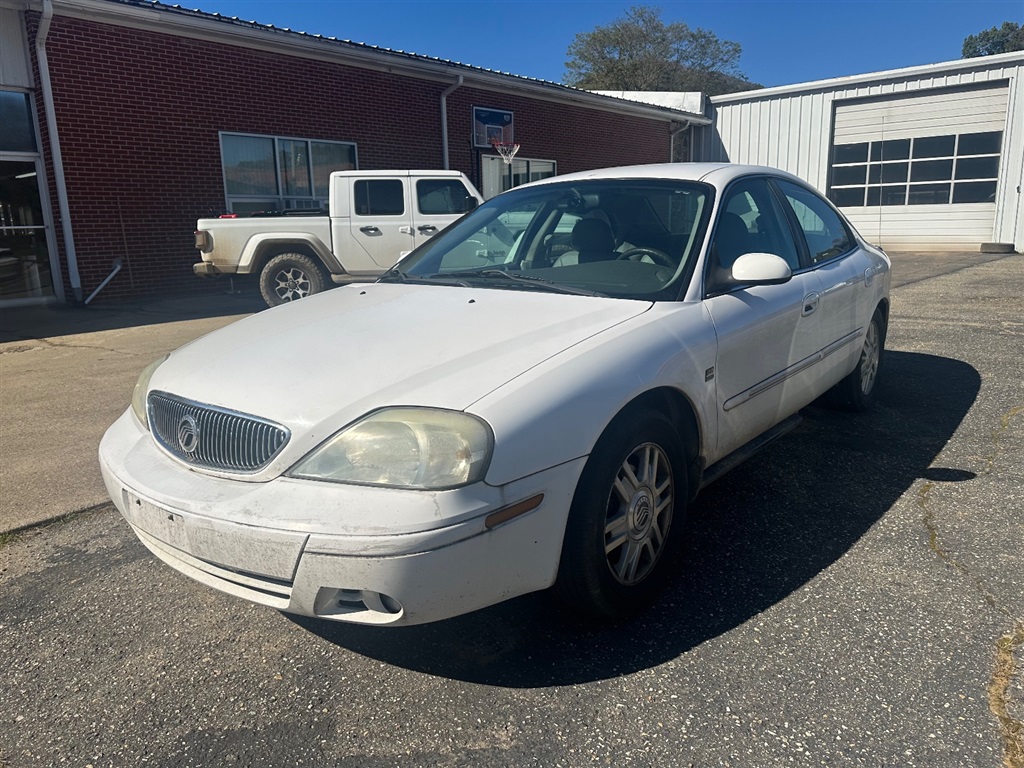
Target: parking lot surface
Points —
{"points": [[851, 596]]}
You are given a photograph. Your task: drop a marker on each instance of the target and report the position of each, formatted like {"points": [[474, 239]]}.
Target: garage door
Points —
{"points": [[921, 171]]}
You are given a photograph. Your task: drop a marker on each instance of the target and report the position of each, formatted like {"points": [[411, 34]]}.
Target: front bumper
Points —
{"points": [[341, 552]]}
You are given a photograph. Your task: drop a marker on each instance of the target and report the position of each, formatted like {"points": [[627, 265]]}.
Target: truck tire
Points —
{"points": [[289, 277]]}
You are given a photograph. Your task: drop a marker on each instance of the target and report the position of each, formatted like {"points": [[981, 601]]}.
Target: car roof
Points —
{"points": [[717, 174]]}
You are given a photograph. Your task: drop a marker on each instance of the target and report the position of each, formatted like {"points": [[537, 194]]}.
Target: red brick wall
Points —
{"points": [[139, 114]]}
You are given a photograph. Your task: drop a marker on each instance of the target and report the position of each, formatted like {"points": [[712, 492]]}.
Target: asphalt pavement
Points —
{"points": [[851, 596]]}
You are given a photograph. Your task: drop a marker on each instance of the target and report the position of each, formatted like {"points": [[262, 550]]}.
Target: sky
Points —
{"points": [[783, 41]]}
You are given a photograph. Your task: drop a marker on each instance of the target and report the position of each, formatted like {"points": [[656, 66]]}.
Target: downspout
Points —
{"points": [[444, 120], [672, 140], [55, 153]]}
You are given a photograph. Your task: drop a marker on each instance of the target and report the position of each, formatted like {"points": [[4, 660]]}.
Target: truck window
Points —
{"points": [[441, 196], [380, 197]]}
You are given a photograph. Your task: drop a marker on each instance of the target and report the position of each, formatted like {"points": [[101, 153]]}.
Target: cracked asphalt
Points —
{"points": [[851, 596]]}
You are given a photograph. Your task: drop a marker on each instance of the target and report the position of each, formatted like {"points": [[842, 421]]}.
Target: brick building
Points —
{"points": [[123, 121]]}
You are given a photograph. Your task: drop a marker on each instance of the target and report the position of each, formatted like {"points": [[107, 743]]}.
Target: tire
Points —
{"points": [[289, 277], [623, 534], [856, 392]]}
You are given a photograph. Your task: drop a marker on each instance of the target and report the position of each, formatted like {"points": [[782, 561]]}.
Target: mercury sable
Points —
{"points": [[528, 400]]}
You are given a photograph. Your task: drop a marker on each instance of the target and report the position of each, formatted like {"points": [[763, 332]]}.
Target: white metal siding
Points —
{"points": [[14, 69], [790, 128], [925, 227]]}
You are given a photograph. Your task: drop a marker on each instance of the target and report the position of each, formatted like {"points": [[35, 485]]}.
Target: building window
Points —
{"points": [[499, 177], [16, 118], [270, 173], [929, 170]]}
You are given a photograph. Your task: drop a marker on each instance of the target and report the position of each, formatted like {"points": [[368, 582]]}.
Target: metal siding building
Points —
{"points": [[924, 158]]}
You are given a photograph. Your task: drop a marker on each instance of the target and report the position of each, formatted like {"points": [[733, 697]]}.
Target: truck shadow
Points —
{"points": [[210, 299], [754, 537]]}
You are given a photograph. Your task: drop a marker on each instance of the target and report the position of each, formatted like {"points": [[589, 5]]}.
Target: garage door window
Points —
{"points": [[928, 170]]}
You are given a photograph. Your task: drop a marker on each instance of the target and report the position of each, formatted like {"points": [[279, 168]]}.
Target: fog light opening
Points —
{"points": [[361, 605]]}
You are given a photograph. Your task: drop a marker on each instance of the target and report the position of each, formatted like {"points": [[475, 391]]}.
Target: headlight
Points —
{"points": [[141, 388], [404, 448]]}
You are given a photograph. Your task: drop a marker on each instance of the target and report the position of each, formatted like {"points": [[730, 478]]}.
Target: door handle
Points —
{"points": [[810, 304], [427, 228], [369, 230]]}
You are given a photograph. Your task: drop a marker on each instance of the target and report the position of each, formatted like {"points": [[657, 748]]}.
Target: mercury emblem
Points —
{"points": [[188, 433]]}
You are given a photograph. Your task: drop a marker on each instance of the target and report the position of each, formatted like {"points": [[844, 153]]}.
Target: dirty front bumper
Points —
{"points": [[341, 552]]}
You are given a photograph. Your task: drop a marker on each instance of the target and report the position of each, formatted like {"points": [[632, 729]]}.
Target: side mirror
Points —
{"points": [[761, 269], [469, 203]]}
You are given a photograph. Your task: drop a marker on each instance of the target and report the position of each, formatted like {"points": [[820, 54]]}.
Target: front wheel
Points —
{"points": [[623, 533], [290, 276], [856, 392]]}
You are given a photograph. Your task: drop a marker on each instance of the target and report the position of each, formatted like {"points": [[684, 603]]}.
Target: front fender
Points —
{"points": [[555, 412]]}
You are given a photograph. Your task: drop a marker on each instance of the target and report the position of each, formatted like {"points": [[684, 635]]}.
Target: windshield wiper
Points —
{"points": [[393, 274], [533, 281]]}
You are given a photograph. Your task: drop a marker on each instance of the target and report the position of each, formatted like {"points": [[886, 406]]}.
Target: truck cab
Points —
{"points": [[374, 219]]}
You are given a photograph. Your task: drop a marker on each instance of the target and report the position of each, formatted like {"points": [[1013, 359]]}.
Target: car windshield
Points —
{"points": [[626, 238]]}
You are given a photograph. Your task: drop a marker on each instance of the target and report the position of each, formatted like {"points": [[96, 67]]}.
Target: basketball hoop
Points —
{"points": [[506, 149]]}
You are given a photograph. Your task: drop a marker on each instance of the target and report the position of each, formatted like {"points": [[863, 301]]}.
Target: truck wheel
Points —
{"points": [[290, 276]]}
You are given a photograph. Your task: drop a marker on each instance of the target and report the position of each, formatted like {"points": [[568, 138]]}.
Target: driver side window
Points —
{"points": [[750, 221]]}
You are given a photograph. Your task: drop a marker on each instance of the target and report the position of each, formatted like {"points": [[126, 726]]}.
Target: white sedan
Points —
{"points": [[529, 399]]}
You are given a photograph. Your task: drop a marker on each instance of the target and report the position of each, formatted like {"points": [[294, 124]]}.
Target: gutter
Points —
{"points": [[672, 140], [55, 152], [444, 121]]}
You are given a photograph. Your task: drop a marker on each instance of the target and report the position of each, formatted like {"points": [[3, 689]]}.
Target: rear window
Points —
{"points": [[380, 197]]}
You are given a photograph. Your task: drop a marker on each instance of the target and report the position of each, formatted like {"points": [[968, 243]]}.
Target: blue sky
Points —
{"points": [[784, 41]]}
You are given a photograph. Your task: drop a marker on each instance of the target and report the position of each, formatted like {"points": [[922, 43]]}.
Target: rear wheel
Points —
{"points": [[623, 532], [856, 391], [290, 276]]}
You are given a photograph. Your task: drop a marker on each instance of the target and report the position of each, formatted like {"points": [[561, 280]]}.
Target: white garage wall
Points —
{"points": [[790, 127]]}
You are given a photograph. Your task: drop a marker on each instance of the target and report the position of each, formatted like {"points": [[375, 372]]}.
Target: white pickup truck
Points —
{"points": [[375, 218]]}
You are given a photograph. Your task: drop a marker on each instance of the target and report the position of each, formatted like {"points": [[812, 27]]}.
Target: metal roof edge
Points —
{"points": [[979, 62], [159, 16]]}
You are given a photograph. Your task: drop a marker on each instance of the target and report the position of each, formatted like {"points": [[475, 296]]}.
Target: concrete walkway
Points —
{"points": [[67, 372]]}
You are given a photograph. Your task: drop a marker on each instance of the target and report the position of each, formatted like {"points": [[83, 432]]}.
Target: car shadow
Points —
{"points": [[754, 536]]}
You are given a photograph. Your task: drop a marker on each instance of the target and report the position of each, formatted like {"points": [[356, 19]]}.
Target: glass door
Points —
{"points": [[24, 258]]}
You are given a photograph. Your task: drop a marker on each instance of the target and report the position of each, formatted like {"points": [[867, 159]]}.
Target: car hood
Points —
{"points": [[316, 365]]}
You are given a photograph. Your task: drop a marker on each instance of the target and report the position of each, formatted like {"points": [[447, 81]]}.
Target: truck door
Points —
{"points": [[381, 222], [439, 202]]}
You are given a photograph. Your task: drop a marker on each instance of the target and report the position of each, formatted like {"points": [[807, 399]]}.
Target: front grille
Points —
{"points": [[211, 437]]}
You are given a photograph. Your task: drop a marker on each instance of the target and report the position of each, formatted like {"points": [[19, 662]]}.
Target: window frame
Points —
{"points": [[508, 172], [876, 186], [281, 200], [798, 231], [368, 184]]}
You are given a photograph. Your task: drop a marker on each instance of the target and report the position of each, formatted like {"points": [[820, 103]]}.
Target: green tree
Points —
{"points": [[641, 52], [1002, 39]]}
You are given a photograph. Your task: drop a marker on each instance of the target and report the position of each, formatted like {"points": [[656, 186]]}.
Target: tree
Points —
{"points": [[1002, 39], [640, 52]]}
